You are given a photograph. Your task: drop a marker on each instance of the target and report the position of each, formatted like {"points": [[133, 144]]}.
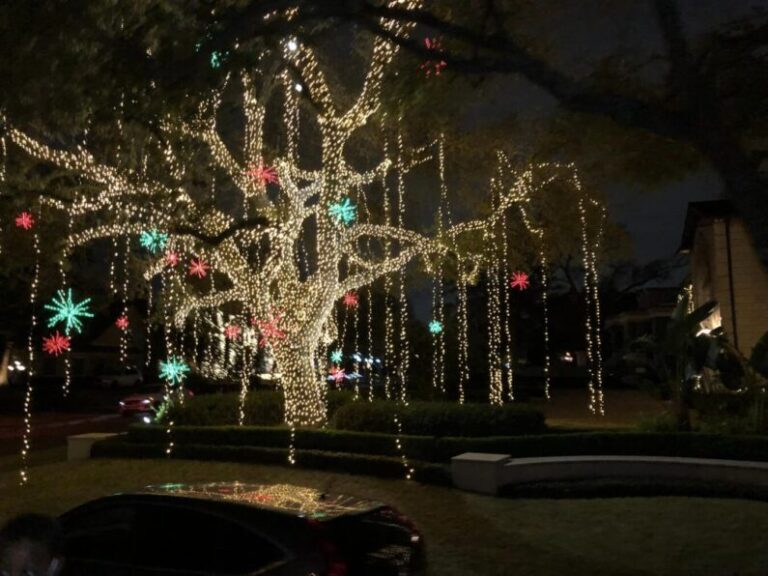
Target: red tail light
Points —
{"points": [[337, 566]]}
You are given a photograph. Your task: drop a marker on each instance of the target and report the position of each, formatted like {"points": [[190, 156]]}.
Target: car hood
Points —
{"points": [[297, 500]]}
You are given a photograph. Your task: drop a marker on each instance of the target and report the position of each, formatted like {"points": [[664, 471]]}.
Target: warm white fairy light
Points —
{"points": [[545, 307], [438, 302], [590, 249], [496, 380], [245, 377], [506, 329], [26, 440], [124, 334]]}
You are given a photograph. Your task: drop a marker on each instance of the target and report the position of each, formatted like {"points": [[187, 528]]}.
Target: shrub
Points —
{"points": [[419, 447], [440, 418], [380, 466], [262, 408]]}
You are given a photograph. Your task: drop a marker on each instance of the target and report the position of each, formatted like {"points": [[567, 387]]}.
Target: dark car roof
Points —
{"points": [[286, 498]]}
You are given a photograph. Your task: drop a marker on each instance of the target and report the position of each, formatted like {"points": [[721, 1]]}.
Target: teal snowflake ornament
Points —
{"points": [[153, 240], [435, 327], [336, 356], [174, 370], [67, 311], [217, 58], [344, 212]]}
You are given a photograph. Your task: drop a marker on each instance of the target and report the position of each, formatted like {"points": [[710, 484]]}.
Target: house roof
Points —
{"points": [[700, 212]]}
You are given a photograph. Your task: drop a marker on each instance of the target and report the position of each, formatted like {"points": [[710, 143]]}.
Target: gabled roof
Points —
{"points": [[701, 212]]}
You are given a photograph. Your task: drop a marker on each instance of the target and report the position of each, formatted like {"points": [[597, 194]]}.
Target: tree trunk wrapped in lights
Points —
{"points": [[251, 251]]}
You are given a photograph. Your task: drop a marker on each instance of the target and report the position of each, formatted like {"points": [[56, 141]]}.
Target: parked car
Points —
{"points": [[144, 400], [121, 377], [232, 528]]}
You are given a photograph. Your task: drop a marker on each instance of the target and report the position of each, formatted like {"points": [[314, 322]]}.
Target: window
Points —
{"points": [[173, 537], [100, 540]]}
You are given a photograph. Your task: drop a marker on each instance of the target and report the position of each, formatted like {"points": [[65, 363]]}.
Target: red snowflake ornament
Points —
{"points": [[25, 220], [519, 280], [351, 300], [171, 258], [232, 332], [198, 267], [122, 322], [55, 344], [269, 330], [263, 174], [433, 66], [338, 374]]}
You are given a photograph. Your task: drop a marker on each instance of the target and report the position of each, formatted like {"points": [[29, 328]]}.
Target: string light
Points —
{"points": [[494, 320], [26, 440], [438, 304], [507, 328]]}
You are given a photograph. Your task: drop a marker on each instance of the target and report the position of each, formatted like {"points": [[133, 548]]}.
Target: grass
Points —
{"points": [[466, 533]]}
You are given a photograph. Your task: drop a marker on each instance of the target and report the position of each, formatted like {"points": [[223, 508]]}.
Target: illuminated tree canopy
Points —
{"points": [[278, 233]]}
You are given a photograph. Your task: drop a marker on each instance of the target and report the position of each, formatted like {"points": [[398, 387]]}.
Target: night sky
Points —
{"points": [[579, 35]]}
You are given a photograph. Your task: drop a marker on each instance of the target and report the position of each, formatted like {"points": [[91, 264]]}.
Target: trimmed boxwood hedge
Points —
{"points": [[440, 418], [262, 408], [381, 466], [433, 449], [265, 408]]}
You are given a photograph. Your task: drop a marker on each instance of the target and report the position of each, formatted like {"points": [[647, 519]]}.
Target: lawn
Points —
{"points": [[469, 534]]}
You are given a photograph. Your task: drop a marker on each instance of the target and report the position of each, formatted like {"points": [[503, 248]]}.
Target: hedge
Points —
{"points": [[439, 418], [434, 449], [419, 447], [381, 466], [262, 408]]}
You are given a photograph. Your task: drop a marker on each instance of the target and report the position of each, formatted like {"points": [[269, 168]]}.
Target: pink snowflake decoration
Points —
{"points": [[263, 174], [351, 300], [25, 220], [269, 330], [55, 344], [198, 267], [338, 374], [122, 322], [232, 332], [433, 66], [171, 258], [519, 280]]}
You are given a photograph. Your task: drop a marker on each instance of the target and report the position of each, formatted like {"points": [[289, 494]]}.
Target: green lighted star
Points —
{"points": [[153, 240], [174, 370], [435, 327], [344, 212], [217, 58], [336, 356], [68, 312]]}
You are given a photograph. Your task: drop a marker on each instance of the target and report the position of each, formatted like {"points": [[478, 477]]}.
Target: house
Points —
{"points": [[725, 267], [644, 312]]}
